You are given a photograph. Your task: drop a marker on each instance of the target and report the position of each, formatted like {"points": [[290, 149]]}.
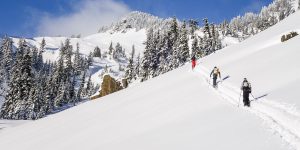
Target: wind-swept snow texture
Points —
{"points": [[179, 110]]}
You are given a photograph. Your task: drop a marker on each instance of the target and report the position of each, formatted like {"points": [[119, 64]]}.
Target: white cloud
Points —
{"points": [[88, 17], [255, 6]]}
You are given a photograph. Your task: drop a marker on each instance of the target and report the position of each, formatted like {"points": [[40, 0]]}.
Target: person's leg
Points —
{"points": [[193, 64], [215, 82], [246, 99]]}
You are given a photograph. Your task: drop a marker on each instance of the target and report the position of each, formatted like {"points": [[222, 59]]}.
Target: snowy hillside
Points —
{"points": [[179, 110], [137, 20], [89, 43]]}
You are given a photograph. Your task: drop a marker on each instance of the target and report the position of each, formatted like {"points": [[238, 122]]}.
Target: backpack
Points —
{"points": [[247, 86], [216, 71]]}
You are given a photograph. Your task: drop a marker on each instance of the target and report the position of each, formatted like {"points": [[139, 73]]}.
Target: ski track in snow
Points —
{"points": [[282, 119]]}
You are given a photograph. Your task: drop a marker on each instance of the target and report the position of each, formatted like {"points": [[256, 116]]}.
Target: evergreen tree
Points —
{"points": [[154, 60], [174, 31], [68, 57], [61, 97], [110, 49], [21, 82], [145, 66], [97, 52], [77, 61], [118, 52], [206, 27], [40, 60], [166, 53], [130, 70], [90, 60], [195, 48], [34, 58], [7, 57], [59, 72], [49, 95], [42, 46], [89, 87], [193, 24], [137, 66], [81, 87], [183, 46], [36, 104]]}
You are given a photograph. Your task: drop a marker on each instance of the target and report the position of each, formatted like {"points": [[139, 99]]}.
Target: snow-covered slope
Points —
{"points": [[273, 69], [173, 111], [88, 44], [179, 110]]}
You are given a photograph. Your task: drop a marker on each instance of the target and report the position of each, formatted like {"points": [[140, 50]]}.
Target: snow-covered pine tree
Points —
{"points": [[81, 88], [97, 52], [36, 102], [61, 97], [59, 73], [165, 55], [154, 55], [130, 72], [34, 58], [21, 82], [206, 28], [89, 87], [27, 83], [72, 94], [145, 66], [193, 25], [49, 95], [68, 57], [110, 49], [13, 95], [183, 46], [174, 31], [137, 66], [195, 48], [118, 52], [174, 63], [7, 57], [90, 60], [42, 45], [77, 61]]}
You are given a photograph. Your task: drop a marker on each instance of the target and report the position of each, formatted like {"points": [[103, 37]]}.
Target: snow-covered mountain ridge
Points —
{"points": [[137, 20]]}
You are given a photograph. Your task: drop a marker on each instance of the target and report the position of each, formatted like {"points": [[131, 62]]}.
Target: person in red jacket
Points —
{"points": [[193, 62]]}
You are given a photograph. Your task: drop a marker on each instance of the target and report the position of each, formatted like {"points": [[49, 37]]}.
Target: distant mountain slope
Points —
{"points": [[137, 20]]}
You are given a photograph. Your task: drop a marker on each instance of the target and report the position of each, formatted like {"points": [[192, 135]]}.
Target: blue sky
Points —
{"points": [[29, 18]]}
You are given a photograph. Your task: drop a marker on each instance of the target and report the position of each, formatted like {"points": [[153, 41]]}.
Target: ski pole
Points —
{"points": [[253, 96], [240, 99]]}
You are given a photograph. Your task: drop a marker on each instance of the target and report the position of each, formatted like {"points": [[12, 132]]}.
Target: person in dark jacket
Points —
{"points": [[246, 88], [193, 62], [215, 72]]}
